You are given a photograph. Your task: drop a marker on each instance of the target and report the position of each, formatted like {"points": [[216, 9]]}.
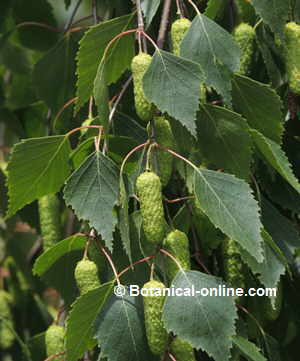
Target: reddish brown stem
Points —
{"points": [[70, 102], [130, 153], [171, 356], [172, 257], [179, 199], [83, 127], [148, 258], [52, 357]]}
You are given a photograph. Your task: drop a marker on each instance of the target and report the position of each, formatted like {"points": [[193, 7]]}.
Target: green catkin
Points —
{"points": [[7, 337], [182, 350], [292, 55], [157, 336], [271, 314], [178, 31], [49, 212], [148, 187], [55, 341], [86, 276], [177, 244], [139, 66], [164, 137], [232, 264], [244, 35]]}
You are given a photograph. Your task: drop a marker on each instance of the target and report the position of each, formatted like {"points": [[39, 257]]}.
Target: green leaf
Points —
{"points": [[37, 347], [67, 3], [13, 57], [92, 191], [54, 74], [272, 153], [275, 13], [101, 94], [149, 8], [206, 322], [40, 11], [229, 204], [121, 323], [215, 8], [80, 323], [178, 80], [214, 49], [259, 104], [273, 266], [91, 50], [248, 349], [38, 166], [224, 139], [281, 229], [48, 258], [124, 218]]}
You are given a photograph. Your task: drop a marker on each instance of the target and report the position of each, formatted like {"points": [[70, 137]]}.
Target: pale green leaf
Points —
{"points": [[38, 166], [208, 323], [275, 13], [80, 323], [229, 204], [48, 258], [273, 154], [91, 50], [121, 323], [208, 44], [248, 349], [224, 139], [92, 191], [172, 84], [259, 104]]}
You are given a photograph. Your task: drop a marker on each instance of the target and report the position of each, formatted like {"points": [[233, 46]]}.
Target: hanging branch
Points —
{"points": [[164, 24]]}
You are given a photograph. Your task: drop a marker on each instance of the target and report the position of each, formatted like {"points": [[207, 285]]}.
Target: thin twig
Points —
{"points": [[95, 11], [74, 12], [130, 153], [116, 103], [179, 199], [52, 357], [171, 357], [141, 27], [164, 24], [68, 103], [172, 257], [148, 258]]}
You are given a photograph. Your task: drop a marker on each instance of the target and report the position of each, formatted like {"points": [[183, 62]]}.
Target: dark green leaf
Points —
{"points": [[124, 218], [281, 229], [229, 204], [273, 266], [121, 324], [272, 153], [54, 74], [260, 105], [37, 347], [149, 8], [224, 139], [215, 8], [32, 36], [214, 49], [13, 57], [38, 166], [92, 47], [48, 258], [206, 322], [92, 191], [173, 85], [80, 324], [273, 12]]}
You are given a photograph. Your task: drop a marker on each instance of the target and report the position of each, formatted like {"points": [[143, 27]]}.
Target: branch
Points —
{"points": [[74, 12], [164, 24]]}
